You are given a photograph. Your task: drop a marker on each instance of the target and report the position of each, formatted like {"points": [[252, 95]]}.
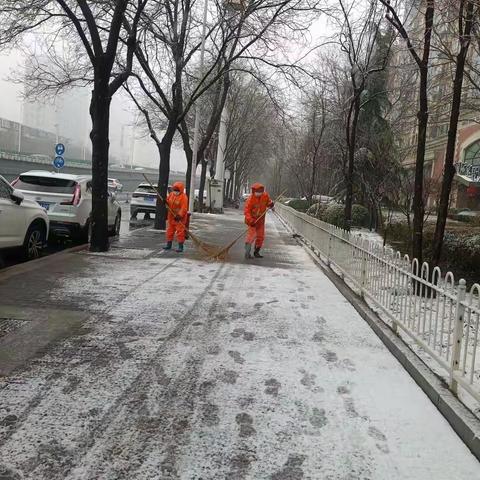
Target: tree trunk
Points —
{"points": [[422, 116], [449, 168], [371, 217], [164, 150], [418, 202], [352, 140], [189, 155], [226, 189], [238, 193], [100, 114], [312, 181], [201, 188]]}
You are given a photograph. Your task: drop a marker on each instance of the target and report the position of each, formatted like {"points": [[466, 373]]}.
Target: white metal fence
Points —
{"points": [[438, 314]]}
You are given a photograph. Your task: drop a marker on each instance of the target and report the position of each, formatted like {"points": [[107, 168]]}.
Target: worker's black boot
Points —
{"points": [[248, 250], [179, 248], [168, 246], [256, 253]]}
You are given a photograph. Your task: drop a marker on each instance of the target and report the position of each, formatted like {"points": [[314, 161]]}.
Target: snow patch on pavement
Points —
{"points": [[194, 370]]}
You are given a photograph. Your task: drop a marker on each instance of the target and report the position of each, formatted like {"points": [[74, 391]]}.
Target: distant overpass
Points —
{"points": [[13, 165]]}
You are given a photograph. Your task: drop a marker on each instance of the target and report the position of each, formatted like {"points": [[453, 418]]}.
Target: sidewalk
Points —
{"points": [[153, 365]]}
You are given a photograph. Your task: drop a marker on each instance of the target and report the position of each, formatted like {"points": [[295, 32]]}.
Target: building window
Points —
{"points": [[472, 154]]}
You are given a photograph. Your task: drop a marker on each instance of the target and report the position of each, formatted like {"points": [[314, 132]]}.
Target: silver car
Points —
{"points": [[68, 201], [144, 200]]}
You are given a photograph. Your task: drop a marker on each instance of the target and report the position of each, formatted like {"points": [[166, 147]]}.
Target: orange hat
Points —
{"points": [[179, 186], [258, 187]]}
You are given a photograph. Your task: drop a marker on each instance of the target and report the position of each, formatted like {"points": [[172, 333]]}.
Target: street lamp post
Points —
{"points": [[220, 163], [132, 145], [20, 123], [196, 131], [231, 6]]}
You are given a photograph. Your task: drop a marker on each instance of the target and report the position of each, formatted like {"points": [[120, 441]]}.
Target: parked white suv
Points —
{"points": [[144, 200], [68, 202], [23, 223], [114, 185]]}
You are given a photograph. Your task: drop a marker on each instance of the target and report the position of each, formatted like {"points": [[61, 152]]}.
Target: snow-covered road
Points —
{"points": [[200, 371]]}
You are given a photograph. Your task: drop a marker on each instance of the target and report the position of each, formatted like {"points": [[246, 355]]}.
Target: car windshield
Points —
{"points": [[145, 189], [45, 184]]}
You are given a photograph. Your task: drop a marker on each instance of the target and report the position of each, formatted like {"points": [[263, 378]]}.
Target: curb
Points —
{"points": [[38, 262], [30, 265], [465, 424]]}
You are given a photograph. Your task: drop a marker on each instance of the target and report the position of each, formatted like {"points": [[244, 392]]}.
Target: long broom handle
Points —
{"points": [[230, 245], [163, 201]]}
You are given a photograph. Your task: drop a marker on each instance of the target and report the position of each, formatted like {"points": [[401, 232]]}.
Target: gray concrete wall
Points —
{"points": [[10, 169]]}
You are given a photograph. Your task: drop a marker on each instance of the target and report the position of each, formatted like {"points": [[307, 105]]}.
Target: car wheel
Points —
{"points": [[116, 226], [34, 241]]}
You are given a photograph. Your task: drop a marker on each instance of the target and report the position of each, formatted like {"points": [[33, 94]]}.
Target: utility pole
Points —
{"points": [[221, 150], [20, 137], [230, 6], [234, 180], [20, 123], [198, 114], [132, 146], [55, 106]]}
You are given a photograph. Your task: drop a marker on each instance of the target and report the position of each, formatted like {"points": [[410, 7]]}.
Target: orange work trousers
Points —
{"points": [[256, 234], [176, 228]]}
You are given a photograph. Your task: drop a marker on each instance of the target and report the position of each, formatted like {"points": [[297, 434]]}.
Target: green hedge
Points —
{"points": [[461, 251], [299, 204], [317, 210], [334, 214]]}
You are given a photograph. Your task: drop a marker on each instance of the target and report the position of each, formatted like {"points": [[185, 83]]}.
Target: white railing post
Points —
{"points": [[363, 278], [457, 334], [329, 248]]}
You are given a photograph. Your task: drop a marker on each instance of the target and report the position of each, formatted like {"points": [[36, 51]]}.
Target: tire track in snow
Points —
{"points": [[54, 379], [133, 430], [51, 379]]}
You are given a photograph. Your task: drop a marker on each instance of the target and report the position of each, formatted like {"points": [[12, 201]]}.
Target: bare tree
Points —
{"points": [[213, 104], [358, 40], [107, 31], [467, 16], [310, 154], [171, 38], [250, 132], [421, 56]]}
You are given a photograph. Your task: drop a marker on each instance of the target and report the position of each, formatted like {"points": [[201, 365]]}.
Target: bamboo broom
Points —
{"points": [[205, 248], [223, 252]]}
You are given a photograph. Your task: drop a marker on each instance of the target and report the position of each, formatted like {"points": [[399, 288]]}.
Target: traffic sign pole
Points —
{"points": [[59, 161], [60, 149]]}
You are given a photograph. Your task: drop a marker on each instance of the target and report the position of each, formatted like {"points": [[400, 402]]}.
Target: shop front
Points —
{"points": [[467, 178]]}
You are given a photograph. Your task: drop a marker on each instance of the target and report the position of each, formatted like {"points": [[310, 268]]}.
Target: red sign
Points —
{"points": [[472, 191]]}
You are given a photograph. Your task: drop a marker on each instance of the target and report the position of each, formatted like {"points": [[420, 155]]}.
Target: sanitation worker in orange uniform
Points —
{"points": [[255, 208], [177, 201]]}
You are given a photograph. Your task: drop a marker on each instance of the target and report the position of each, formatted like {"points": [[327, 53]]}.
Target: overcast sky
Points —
{"points": [[143, 149]]}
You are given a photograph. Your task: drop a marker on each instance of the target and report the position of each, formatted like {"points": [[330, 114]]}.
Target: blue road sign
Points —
{"points": [[59, 162], [60, 149]]}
